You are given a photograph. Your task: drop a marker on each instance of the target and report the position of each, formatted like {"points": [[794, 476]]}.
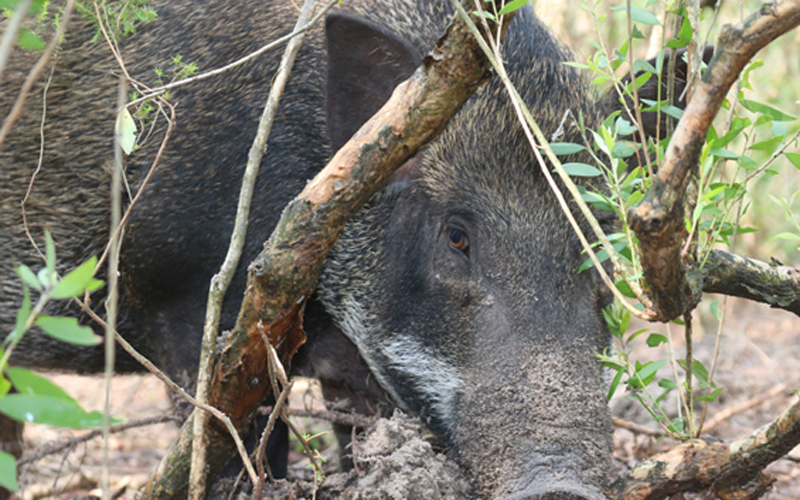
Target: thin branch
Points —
{"points": [[54, 448], [745, 405], [202, 76], [636, 428]]}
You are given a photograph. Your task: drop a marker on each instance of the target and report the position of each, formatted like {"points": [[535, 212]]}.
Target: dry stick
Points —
{"points": [[39, 163], [202, 76], [636, 428], [687, 333], [744, 406], [221, 281], [282, 278], [113, 291], [54, 448], [16, 110], [674, 363], [659, 219], [530, 127], [260, 457], [10, 33]]}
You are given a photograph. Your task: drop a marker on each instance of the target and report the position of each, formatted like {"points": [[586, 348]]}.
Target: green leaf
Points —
{"points": [[75, 282], [26, 275], [684, 37], [29, 40], [769, 145], [8, 472], [714, 307], [639, 15], [565, 148], [581, 170], [49, 410], [126, 131], [50, 253], [623, 126], [650, 368], [5, 385], [757, 107], [794, 158], [67, 330], [28, 382], [625, 289], [724, 153], [622, 150], [23, 313], [656, 339], [614, 384], [598, 201], [512, 6], [786, 236], [667, 383], [711, 397]]}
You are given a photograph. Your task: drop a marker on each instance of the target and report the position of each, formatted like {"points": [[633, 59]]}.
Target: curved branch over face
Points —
{"points": [[659, 220]]}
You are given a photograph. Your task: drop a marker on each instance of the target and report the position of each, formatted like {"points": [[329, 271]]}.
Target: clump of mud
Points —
{"points": [[393, 461]]}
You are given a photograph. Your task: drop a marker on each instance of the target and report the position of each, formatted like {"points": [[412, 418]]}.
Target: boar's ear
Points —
{"points": [[650, 89], [365, 63]]}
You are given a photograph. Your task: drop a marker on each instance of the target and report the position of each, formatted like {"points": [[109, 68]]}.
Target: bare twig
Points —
{"points": [[297, 32], [636, 428], [55, 448], [744, 406]]}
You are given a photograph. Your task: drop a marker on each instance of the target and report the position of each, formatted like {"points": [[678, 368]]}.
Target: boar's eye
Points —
{"points": [[458, 240]]}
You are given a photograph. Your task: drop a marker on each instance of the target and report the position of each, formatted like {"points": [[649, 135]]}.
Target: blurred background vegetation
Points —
{"points": [[776, 83]]}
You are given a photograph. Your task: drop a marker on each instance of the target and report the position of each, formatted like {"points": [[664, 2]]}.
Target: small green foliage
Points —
{"points": [[121, 18], [8, 472]]}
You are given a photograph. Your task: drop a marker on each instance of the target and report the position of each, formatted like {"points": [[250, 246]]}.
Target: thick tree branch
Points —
{"points": [[282, 278], [776, 285], [659, 219], [728, 471]]}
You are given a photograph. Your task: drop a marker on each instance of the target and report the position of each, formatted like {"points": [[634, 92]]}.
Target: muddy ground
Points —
{"points": [[760, 350]]}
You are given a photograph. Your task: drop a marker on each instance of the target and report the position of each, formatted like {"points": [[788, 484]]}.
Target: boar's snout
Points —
{"points": [[557, 490]]}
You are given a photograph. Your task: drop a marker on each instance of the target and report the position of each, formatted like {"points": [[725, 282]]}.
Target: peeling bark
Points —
{"points": [[282, 278]]}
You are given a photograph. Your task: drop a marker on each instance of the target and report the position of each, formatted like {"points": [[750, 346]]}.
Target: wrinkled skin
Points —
{"points": [[454, 295]]}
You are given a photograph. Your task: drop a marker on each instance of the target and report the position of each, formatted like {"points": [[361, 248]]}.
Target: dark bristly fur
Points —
{"points": [[491, 345]]}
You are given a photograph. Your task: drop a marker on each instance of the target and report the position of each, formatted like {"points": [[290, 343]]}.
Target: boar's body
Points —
{"points": [[454, 295]]}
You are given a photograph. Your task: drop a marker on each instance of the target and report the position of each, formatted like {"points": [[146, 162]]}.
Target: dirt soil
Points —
{"points": [[760, 350]]}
